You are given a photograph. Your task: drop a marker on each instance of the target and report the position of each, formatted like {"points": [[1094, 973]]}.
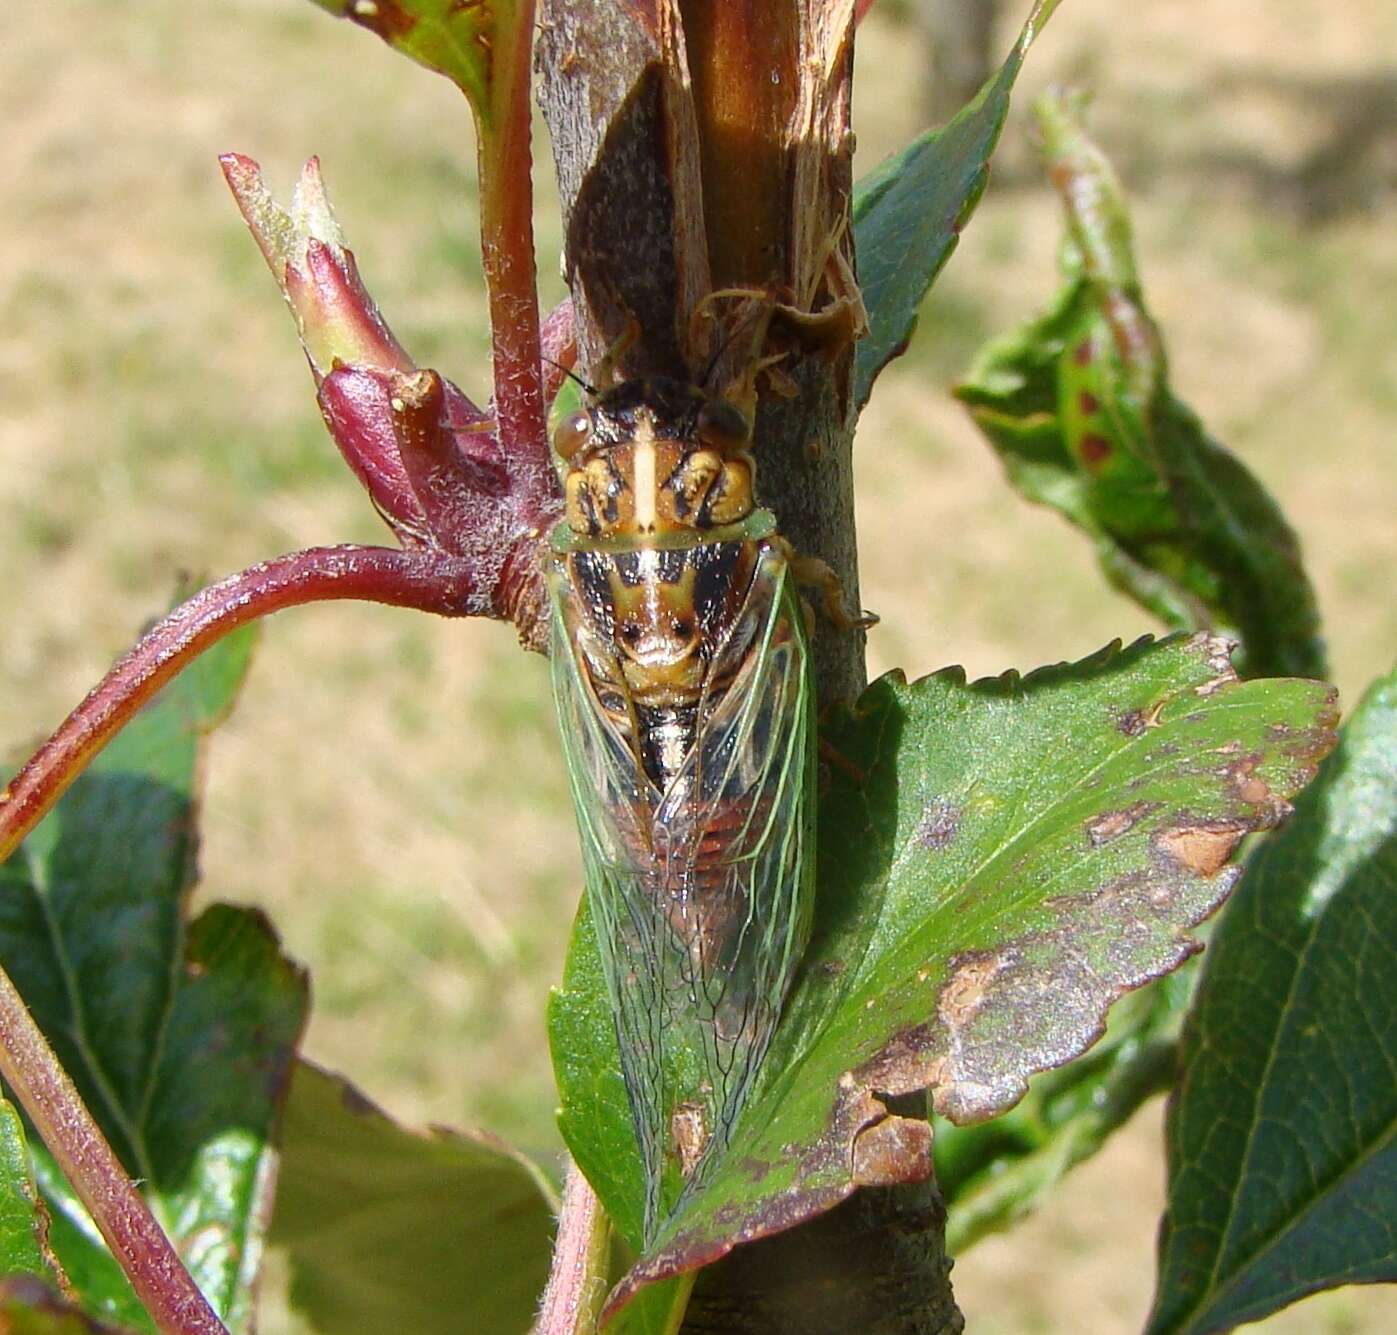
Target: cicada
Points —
{"points": [[682, 679]]}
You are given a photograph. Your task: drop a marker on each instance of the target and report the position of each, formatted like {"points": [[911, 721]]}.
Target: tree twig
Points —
{"points": [[577, 1282], [44, 1090], [426, 580]]}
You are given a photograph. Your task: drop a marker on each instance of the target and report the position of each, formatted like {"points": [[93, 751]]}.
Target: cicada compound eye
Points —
{"points": [[572, 432], [723, 425]]}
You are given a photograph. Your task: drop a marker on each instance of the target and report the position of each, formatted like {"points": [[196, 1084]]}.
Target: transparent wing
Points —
{"points": [[701, 894]]}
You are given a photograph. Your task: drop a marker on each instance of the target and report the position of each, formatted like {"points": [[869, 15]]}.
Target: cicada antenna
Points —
{"points": [[714, 359], [573, 376]]}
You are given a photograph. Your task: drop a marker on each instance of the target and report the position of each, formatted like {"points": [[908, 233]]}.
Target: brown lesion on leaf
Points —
{"points": [[388, 19], [1318, 741], [964, 991], [1096, 449], [1250, 787], [1310, 745], [1137, 722], [1216, 653], [906, 1062], [1201, 849], [939, 826], [999, 1016], [1111, 825], [826, 1173], [754, 1169], [980, 1025]]}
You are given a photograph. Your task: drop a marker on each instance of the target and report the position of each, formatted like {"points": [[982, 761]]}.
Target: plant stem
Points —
{"points": [[507, 254], [642, 221], [876, 1264], [44, 1090], [577, 1282], [426, 580]]}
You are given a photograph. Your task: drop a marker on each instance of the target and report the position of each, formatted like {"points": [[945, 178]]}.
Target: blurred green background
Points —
{"points": [[390, 788]]}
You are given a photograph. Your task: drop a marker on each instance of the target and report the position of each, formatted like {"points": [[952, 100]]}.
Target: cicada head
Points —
{"points": [[656, 456]]}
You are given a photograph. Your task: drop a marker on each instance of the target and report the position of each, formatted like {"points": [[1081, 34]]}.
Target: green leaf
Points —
{"points": [[21, 1216], [909, 212], [657, 1309], [388, 1229], [999, 862], [596, 1112], [1078, 406], [1283, 1132], [179, 1037], [995, 1173], [29, 1307], [451, 38]]}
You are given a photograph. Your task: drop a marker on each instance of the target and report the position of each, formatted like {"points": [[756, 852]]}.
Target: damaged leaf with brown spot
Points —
{"points": [[1282, 1128], [999, 862], [1078, 405]]}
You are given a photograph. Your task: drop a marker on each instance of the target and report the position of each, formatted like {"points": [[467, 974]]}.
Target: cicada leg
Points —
{"points": [[832, 755], [813, 573], [604, 375]]}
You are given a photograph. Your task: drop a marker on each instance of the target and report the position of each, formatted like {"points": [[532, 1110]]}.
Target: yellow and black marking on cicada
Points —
{"points": [[682, 680]]}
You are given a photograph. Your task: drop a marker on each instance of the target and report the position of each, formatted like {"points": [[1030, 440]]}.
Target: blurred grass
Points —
{"points": [[390, 788]]}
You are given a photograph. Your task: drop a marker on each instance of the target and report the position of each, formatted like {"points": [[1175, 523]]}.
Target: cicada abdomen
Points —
{"points": [[682, 681]]}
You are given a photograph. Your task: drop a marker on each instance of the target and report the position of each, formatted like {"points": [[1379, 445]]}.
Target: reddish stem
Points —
{"points": [[427, 580], [507, 250], [42, 1086], [577, 1282], [558, 338]]}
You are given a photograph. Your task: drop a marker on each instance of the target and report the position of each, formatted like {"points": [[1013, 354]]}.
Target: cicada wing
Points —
{"points": [[614, 802], [700, 895], [735, 835]]}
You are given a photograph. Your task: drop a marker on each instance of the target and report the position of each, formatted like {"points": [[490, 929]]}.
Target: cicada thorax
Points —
{"points": [[681, 675], [655, 458], [653, 621]]}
